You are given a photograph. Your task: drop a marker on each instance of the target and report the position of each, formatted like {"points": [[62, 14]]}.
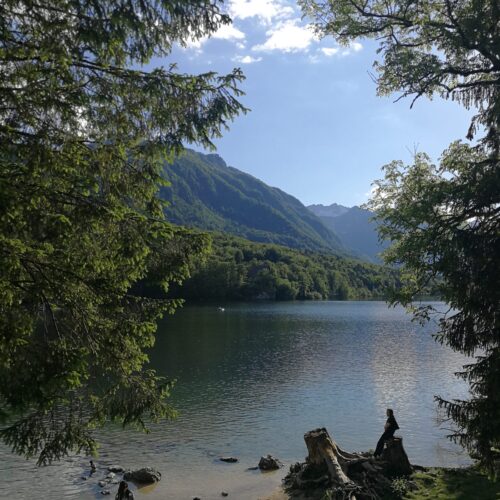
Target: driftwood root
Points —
{"points": [[346, 476]]}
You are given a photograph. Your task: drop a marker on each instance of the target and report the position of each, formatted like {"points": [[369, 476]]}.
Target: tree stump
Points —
{"points": [[345, 475], [322, 450], [396, 458]]}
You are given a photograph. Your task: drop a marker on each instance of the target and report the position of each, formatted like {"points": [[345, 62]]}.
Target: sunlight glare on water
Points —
{"points": [[252, 380]]}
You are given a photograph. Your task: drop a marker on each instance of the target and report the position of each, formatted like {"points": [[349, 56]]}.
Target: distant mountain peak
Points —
{"points": [[333, 210], [215, 159], [355, 228]]}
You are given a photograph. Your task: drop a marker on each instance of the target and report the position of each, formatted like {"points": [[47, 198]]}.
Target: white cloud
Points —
{"points": [[225, 32], [336, 51], [288, 36], [229, 32], [354, 47], [246, 59], [195, 44], [329, 51], [265, 10]]}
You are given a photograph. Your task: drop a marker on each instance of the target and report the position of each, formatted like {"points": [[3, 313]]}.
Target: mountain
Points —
{"points": [[354, 227], [333, 210], [206, 193]]}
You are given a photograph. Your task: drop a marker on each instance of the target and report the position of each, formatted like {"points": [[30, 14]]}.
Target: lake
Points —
{"points": [[251, 380]]}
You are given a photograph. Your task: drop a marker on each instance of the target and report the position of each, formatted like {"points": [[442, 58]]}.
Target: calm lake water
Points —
{"points": [[251, 380]]}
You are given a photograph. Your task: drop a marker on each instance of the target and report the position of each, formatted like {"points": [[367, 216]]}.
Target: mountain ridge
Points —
{"points": [[208, 194], [355, 227]]}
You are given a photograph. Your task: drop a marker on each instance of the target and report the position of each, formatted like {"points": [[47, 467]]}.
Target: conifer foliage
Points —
{"points": [[84, 131], [443, 219]]}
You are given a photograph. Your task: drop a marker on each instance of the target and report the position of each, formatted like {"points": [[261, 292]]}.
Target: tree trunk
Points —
{"points": [[395, 456], [322, 450]]}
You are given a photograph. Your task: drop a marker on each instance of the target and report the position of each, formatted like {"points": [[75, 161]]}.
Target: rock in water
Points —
{"points": [[115, 468], [230, 460], [144, 475], [269, 463]]}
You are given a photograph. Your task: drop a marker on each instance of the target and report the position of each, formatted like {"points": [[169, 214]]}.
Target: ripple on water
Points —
{"points": [[251, 381]]}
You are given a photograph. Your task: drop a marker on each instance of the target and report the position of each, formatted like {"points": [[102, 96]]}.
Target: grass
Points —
{"points": [[453, 484]]}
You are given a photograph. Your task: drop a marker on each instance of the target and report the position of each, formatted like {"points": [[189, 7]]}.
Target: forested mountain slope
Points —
{"points": [[205, 193]]}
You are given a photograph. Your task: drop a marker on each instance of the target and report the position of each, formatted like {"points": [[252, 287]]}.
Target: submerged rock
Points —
{"points": [[229, 459], [144, 475], [269, 463], [115, 468]]}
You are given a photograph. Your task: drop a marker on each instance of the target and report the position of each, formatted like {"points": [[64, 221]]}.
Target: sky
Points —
{"points": [[316, 129]]}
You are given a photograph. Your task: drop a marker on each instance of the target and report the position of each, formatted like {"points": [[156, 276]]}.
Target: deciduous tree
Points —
{"points": [[443, 219]]}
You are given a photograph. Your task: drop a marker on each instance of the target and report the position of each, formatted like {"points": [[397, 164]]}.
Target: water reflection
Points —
{"points": [[253, 379]]}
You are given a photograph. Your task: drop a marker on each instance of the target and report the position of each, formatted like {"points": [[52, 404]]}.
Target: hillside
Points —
{"points": [[207, 194], [238, 269], [354, 227]]}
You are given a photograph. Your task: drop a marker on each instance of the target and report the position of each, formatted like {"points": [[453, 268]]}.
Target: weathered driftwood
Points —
{"points": [[347, 475], [322, 450]]}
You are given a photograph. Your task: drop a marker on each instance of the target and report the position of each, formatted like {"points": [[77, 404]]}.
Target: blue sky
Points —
{"points": [[316, 128]]}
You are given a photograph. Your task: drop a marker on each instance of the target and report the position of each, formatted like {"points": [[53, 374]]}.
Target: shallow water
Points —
{"points": [[251, 380]]}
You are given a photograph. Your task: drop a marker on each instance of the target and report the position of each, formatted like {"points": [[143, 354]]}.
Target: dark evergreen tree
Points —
{"points": [[84, 133]]}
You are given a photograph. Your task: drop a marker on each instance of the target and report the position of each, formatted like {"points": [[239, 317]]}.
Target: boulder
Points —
{"points": [[269, 463], [115, 468], [145, 475]]}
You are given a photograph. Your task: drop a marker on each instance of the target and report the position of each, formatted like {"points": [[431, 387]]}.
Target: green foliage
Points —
{"points": [[238, 269], [443, 220], [453, 484], [83, 138], [207, 194], [399, 486]]}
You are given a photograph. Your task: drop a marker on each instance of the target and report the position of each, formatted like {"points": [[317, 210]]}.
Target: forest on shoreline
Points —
{"points": [[238, 269]]}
